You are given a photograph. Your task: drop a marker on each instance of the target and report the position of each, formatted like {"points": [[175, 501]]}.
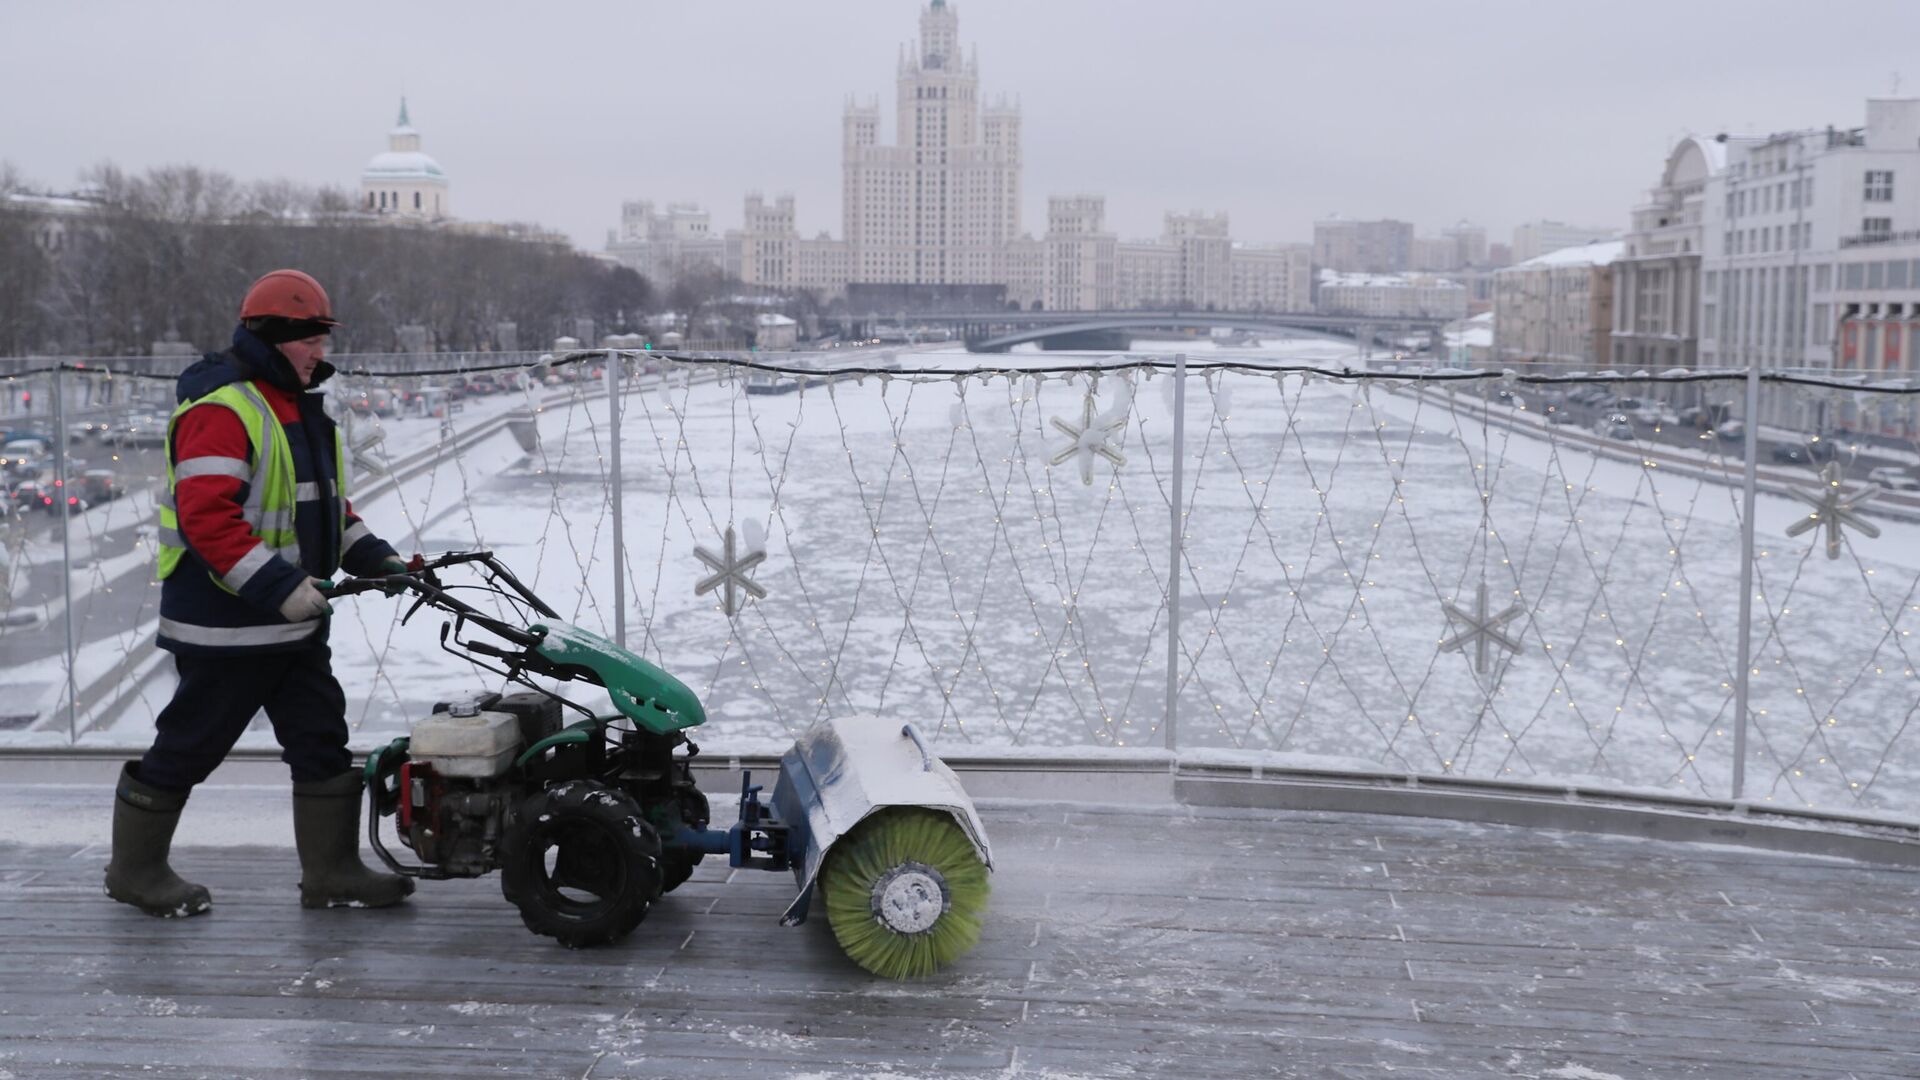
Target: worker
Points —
{"points": [[253, 517]]}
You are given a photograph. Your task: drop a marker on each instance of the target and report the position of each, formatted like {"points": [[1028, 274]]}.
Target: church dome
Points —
{"points": [[403, 159], [403, 165]]}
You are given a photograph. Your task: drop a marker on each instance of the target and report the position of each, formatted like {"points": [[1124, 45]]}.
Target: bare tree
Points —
{"points": [[172, 249], [10, 179]]}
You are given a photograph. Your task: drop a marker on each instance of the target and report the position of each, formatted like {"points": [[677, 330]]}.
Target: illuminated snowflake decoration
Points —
{"points": [[1834, 508], [1482, 630], [730, 574], [1094, 437]]}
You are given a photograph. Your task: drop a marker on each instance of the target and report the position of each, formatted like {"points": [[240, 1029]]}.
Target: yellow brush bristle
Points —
{"points": [[882, 842]]}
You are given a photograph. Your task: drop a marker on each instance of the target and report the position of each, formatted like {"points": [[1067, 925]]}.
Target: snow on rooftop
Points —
{"points": [[53, 203], [1385, 281], [1596, 253], [399, 164]]}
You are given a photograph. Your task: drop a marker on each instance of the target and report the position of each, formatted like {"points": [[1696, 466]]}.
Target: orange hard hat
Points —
{"points": [[288, 294]]}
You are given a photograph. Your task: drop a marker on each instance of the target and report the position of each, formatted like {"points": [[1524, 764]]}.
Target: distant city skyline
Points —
{"points": [[1274, 114]]}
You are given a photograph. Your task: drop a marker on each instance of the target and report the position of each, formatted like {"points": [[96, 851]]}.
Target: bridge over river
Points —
{"points": [[998, 331]]}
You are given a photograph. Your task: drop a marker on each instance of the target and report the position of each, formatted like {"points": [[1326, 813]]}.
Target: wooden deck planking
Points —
{"points": [[1122, 942]]}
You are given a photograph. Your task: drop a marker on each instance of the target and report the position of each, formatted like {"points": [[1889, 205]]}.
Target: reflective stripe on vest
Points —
{"points": [[214, 466], [218, 636], [272, 494], [247, 566]]}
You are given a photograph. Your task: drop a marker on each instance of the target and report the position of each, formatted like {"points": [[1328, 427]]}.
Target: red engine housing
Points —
{"points": [[420, 791]]}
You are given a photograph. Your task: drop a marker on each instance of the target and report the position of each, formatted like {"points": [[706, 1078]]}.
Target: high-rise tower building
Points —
{"points": [[941, 204]]}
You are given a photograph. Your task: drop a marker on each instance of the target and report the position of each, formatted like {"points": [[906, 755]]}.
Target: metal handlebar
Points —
{"points": [[926, 755], [334, 589], [419, 579]]}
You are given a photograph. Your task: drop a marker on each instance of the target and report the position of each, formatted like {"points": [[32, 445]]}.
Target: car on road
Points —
{"points": [[20, 457], [100, 485], [143, 430], [1614, 426], [478, 384], [125, 430], [372, 401], [1893, 478], [1655, 414], [1804, 453], [21, 496], [96, 430], [435, 401], [1706, 416], [44, 493]]}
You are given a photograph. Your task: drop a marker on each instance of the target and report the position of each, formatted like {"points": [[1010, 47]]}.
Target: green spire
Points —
{"points": [[404, 122]]}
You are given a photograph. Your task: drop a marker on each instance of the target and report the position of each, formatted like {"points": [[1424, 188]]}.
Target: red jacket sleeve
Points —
{"points": [[211, 463]]}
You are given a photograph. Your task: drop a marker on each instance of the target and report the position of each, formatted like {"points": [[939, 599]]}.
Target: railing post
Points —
{"points": [[60, 504], [1175, 545], [1750, 488], [614, 379]]}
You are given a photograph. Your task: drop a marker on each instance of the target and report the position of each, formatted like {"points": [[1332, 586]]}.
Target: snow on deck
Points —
{"points": [[1121, 942]]}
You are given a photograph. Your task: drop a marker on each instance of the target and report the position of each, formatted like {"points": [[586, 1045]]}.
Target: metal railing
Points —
{"points": [[1872, 238], [1249, 558]]}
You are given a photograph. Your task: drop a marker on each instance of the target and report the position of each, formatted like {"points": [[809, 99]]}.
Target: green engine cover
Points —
{"points": [[642, 692]]}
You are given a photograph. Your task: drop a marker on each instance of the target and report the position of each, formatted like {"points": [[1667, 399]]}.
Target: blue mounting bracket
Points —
{"points": [[759, 840]]}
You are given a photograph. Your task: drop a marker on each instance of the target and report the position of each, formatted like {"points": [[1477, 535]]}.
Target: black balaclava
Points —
{"points": [[277, 331]]}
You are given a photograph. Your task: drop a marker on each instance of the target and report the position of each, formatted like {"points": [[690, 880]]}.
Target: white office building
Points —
{"points": [[1869, 307], [1557, 308], [1389, 296], [1786, 218], [1271, 277], [1078, 274], [1656, 279], [668, 244]]}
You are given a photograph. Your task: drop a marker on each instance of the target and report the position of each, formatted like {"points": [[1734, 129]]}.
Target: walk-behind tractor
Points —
{"points": [[589, 823]]}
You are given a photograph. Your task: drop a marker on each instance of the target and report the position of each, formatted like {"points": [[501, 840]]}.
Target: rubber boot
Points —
{"points": [[143, 821], [326, 829]]}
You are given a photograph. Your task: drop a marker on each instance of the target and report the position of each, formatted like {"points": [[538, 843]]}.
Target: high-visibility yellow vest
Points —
{"points": [[272, 490]]}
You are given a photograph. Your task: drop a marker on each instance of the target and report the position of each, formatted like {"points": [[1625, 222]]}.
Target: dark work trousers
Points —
{"points": [[218, 697]]}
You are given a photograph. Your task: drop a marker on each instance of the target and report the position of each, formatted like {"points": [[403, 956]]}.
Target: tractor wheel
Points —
{"points": [[677, 864], [581, 863]]}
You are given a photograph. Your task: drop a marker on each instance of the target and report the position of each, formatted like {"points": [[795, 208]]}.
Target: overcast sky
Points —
{"points": [[1499, 111]]}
